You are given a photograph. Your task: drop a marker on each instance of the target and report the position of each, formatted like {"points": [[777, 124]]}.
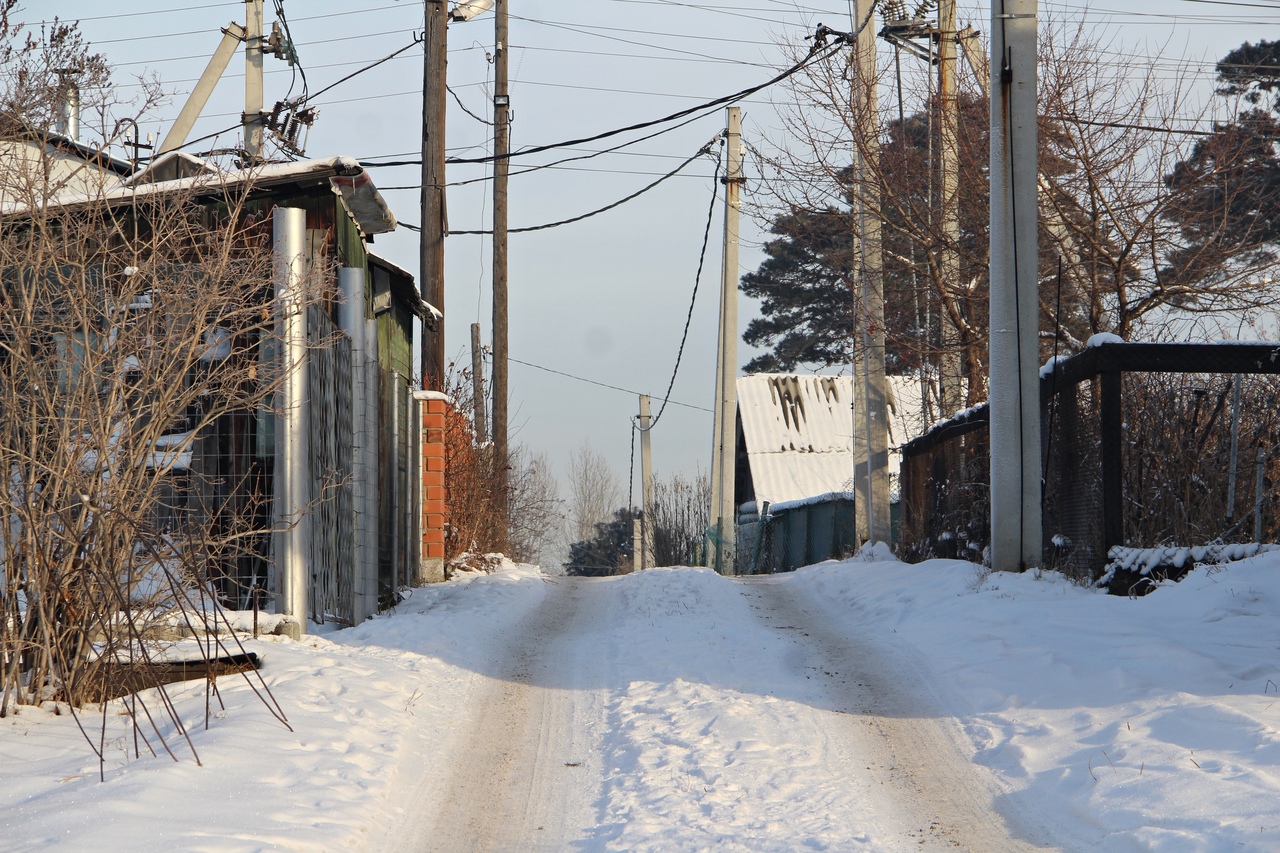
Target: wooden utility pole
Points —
{"points": [[1016, 524], [432, 195], [870, 396], [723, 509], [501, 166], [252, 116], [646, 486], [950, 367], [477, 386]]}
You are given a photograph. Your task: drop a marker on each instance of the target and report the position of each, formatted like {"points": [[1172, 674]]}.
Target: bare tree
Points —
{"points": [[537, 512], [681, 515], [140, 325], [1113, 254], [594, 492]]}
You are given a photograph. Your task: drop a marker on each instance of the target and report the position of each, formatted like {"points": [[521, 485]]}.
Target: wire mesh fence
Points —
{"points": [[1143, 445]]}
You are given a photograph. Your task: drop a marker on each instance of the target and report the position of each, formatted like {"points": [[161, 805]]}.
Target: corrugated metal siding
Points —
{"points": [[798, 431]]}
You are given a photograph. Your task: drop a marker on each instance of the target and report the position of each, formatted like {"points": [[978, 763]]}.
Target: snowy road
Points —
{"points": [[744, 722]]}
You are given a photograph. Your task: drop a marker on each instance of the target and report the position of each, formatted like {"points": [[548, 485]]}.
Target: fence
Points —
{"points": [[1143, 445], [332, 558], [787, 535]]}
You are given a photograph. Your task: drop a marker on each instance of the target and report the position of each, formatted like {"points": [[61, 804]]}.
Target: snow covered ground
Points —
{"points": [[864, 705]]}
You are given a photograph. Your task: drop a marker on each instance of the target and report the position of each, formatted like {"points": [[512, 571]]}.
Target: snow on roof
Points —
{"points": [[346, 177], [799, 431]]}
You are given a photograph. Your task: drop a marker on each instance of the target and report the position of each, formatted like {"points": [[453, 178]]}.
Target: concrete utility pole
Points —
{"points": [[646, 485], [950, 372], [292, 493], [501, 166], [232, 35], [723, 509], [870, 396], [1016, 526], [477, 386], [252, 117], [432, 195]]}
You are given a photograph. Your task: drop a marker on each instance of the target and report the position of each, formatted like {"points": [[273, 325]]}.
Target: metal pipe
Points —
{"points": [[291, 469]]}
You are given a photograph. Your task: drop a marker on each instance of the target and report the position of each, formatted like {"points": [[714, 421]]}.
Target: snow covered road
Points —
{"points": [[857, 706], [674, 711]]}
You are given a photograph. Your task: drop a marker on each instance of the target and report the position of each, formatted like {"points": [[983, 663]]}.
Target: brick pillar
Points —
{"points": [[435, 408]]}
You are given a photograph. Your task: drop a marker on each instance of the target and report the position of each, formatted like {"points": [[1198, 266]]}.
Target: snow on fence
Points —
{"points": [[789, 534], [1144, 445]]}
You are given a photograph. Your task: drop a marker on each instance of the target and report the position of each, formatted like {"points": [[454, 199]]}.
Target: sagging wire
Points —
{"points": [[697, 278]]}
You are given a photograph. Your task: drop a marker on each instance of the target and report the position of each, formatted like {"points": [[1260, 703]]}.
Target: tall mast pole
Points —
{"points": [[950, 372], [870, 395], [432, 195], [252, 117], [1016, 523], [501, 165], [723, 509]]}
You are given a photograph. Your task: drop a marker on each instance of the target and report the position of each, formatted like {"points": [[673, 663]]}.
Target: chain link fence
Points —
{"points": [[1143, 445]]}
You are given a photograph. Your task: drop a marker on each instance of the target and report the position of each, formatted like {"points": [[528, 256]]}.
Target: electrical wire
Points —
{"points": [[704, 150], [368, 67], [463, 107], [697, 278], [815, 54], [601, 384], [295, 64]]}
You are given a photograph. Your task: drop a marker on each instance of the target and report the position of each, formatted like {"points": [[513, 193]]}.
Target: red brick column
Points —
{"points": [[435, 408]]}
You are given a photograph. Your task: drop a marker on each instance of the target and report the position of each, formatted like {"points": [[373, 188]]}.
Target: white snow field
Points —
{"points": [[865, 706]]}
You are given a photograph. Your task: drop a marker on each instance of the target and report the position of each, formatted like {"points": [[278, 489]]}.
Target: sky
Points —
{"points": [[603, 300]]}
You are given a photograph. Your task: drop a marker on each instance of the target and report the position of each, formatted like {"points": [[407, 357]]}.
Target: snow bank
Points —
{"points": [[1151, 722], [368, 706]]}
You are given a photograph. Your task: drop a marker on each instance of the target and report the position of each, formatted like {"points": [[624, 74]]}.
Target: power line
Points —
{"points": [[815, 54], [600, 384], [704, 150], [697, 279]]}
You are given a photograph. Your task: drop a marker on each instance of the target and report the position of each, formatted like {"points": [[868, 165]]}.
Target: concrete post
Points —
{"points": [[1016, 524]]}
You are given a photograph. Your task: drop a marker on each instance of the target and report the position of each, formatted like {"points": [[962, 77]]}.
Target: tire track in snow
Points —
{"points": [[891, 734], [520, 779]]}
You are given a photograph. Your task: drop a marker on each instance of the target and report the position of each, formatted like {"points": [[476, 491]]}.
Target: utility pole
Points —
{"points": [[1016, 524], [646, 486], [950, 370], [432, 195], [723, 459], [501, 166], [252, 117], [870, 397], [477, 386]]}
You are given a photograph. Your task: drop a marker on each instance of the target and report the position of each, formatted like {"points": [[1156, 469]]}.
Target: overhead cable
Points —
{"points": [[706, 149], [816, 53], [697, 278]]}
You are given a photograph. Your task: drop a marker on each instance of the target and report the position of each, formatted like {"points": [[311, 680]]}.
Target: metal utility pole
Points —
{"points": [[432, 195], [871, 396], [723, 459], [252, 117], [501, 165], [646, 486], [477, 386], [950, 369], [1016, 525], [292, 496]]}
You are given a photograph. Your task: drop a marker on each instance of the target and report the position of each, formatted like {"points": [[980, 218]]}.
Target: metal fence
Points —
{"points": [[788, 535], [332, 558], [1143, 445], [395, 498]]}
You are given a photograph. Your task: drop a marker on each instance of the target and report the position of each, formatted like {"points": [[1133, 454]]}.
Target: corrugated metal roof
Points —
{"points": [[798, 431]]}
